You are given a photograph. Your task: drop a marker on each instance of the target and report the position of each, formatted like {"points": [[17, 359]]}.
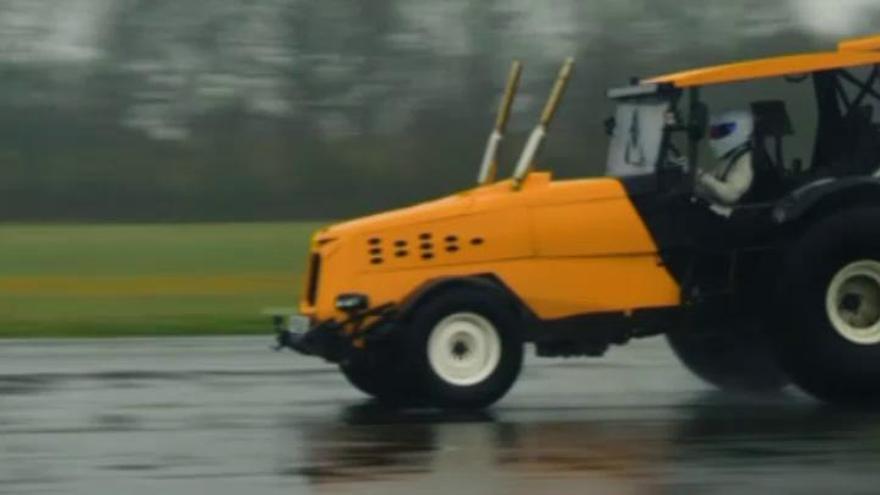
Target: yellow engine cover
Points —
{"points": [[564, 247]]}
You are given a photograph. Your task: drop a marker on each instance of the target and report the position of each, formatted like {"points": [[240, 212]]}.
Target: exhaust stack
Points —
{"points": [[489, 165], [536, 138]]}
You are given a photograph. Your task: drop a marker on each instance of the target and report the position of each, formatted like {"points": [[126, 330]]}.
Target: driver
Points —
{"points": [[730, 136]]}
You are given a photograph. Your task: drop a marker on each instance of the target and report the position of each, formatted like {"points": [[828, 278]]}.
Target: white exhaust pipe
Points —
{"points": [[489, 164], [536, 139]]}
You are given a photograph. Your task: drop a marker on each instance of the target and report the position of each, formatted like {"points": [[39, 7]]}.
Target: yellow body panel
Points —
{"points": [[864, 43], [850, 53], [565, 248]]}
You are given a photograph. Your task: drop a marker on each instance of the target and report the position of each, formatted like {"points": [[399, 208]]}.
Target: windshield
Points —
{"points": [[636, 137]]}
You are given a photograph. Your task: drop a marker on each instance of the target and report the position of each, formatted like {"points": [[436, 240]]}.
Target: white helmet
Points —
{"points": [[729, 131]]}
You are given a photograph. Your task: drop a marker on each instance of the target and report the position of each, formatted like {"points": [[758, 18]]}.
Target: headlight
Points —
{"points": [[352, 303]]}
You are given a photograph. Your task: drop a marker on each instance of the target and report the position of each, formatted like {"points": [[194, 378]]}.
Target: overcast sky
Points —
{"points": [[252, 63]]}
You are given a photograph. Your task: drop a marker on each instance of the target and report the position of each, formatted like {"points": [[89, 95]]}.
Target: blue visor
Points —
{"points": [[719, 131]]}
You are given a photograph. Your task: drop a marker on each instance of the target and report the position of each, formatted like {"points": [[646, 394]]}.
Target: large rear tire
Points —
{"points": [[733, 356], [828, 333]]}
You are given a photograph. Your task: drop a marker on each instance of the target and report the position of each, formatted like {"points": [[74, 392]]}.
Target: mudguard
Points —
{"points": [[483, 282], [826, 195]]}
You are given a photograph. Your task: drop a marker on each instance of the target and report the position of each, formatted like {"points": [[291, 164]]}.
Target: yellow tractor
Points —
{"points": [[432, 304]]}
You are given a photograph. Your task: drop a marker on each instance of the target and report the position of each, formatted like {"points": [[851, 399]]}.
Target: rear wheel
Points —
{"points": [[731, 356], [829, 338], [852, 302], [465, 347]]}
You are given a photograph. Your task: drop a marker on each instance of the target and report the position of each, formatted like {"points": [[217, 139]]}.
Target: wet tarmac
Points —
{"points": [[228, 416]]}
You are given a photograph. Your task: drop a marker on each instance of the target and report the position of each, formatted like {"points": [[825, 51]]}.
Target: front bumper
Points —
{"points": [[329, 338], [326, 339]]}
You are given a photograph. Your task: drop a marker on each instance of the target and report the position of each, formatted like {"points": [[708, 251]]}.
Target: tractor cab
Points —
{"points": [[846, 144], [660, 126], [658, 147], [656, 143]]}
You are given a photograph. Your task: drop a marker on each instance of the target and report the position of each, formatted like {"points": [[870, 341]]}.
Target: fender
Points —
{"points": [[826, 195], [486, 282]]}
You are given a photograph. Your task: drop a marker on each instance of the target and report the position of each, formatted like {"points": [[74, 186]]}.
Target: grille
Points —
{"points": [[314, 275]]}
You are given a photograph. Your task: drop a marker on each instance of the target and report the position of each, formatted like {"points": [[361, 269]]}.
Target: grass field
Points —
{"points": [[119, 280]]}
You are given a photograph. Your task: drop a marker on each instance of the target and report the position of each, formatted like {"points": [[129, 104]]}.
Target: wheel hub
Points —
{"points": [[464, 349], [853, 302], [460, 349]]}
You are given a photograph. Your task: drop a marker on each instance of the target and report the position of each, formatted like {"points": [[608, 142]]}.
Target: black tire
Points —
{"points": [[362, 374], [733, 356], [491, 306], [376, 373], [816, 356]]}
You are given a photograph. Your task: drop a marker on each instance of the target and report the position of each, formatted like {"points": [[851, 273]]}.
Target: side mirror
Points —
{"points": [[610, 123]]}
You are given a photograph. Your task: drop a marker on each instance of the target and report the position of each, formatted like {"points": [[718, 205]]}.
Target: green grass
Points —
{"points": [[125, 280]]}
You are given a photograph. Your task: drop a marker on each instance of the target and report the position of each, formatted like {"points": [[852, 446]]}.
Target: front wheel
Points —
{"points": [[829, 336], [466, 347], [376, 373]]}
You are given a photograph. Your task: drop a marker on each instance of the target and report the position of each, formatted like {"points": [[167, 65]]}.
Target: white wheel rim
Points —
{"points": [[853, 302], [464, 349]]}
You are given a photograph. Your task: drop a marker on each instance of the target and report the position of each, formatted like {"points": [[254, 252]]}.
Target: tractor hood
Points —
{"points": [[430, 211], [537, 189], [450, 206], [489, 229]]}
